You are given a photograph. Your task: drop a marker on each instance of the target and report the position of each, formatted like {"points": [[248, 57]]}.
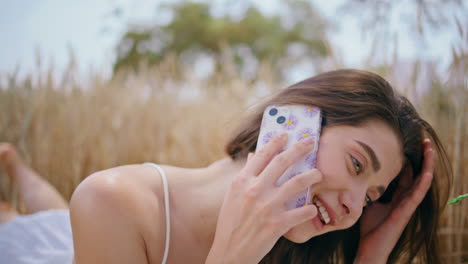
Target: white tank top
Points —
{"points": [[166, 206]]}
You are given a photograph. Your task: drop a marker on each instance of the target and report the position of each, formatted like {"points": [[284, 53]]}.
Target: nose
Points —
{"points": [[352, 201]]}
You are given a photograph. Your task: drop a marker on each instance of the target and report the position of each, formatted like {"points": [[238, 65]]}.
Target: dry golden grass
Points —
{"points": [[67, 130]]}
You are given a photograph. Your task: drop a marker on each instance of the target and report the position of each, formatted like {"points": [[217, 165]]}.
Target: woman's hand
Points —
{"points": [[382, 224], [253, 215]]}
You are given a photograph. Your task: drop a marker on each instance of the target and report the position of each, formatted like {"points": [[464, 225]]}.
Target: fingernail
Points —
{"points": [[308, 141]]}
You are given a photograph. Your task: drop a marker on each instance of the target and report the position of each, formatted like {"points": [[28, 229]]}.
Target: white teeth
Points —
{"points": [[323, 211], [326, 219]]}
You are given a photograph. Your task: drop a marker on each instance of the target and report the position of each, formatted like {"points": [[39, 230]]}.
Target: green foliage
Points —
{"points": [[458, 199], [194, 31]]}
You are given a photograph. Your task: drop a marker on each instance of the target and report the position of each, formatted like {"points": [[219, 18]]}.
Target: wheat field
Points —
{"points": [[67, 129]]}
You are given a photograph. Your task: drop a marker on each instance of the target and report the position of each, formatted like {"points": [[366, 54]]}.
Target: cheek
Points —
{"points": [[331, 165]]}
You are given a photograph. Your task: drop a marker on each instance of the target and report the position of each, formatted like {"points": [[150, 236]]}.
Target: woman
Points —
{"points": [[375, 179]]}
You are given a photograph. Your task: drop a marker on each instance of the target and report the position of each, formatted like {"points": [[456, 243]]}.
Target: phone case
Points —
{"points": [[300, 122]]}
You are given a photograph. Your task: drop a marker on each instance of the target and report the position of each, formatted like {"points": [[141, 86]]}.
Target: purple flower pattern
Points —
{"points": [[305, 133], [301, 202], [268, 137], [310, 111], [297, 131], [292, 175], [311, 160], [291, 122]]}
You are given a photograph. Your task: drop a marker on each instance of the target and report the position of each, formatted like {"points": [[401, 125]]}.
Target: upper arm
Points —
{"points": [[104, 215]]}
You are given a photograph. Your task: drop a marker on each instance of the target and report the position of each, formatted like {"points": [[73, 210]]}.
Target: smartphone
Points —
{"points": [[299, 122]]}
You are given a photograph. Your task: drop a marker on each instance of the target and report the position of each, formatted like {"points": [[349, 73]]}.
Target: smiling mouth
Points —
{"points": [[322, 211]]}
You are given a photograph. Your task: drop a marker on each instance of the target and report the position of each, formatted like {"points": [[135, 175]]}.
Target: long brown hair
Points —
{"points": [[351, 97]]}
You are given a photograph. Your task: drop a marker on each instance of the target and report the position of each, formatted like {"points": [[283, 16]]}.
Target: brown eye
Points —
{"points": [[357, 165]]}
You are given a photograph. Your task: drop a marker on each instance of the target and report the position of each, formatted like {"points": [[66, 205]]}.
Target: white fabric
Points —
{"points": [[41, 238], [166, 206], [46, 237]]}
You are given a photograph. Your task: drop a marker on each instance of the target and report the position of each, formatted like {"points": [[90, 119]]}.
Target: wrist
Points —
{"points": [[217, 255], [213, 257]]}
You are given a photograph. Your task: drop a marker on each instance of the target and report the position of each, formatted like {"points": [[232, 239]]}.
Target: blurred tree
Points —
{"points": [[423, 19], [420, 15], [297, 34]]}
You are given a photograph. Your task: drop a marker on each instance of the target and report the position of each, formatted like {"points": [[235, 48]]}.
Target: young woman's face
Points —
{"points": [[357, 165]]}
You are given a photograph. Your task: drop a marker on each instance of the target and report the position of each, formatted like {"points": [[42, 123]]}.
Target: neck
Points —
{"points": [[205, 190]]}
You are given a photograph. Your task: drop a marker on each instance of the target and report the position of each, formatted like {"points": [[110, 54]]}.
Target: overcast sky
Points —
{"points": [[87, 26]]}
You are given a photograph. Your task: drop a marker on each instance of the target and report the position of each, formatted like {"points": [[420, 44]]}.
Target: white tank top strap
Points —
{"points": [[166, 205]]}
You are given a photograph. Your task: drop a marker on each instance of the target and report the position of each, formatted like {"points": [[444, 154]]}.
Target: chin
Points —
{"points": [[297, 237]]}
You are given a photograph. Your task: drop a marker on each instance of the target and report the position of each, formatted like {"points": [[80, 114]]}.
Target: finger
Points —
{"points": [[427, 144], [428, 164], [429, 157], [407, 182], [283, 161], [298, 184], [408, 205], [260, 160], [299, 215], [424, 181]]}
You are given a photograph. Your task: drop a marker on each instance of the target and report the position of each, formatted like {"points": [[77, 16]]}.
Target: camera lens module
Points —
{"points": [[273, 111], [281, 120]]}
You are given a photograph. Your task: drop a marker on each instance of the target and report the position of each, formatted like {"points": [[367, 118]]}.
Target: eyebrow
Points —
{"points": [[374, 160]]}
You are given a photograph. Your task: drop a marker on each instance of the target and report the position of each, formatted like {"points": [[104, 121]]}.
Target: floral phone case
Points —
{"points": [[300, 122]]}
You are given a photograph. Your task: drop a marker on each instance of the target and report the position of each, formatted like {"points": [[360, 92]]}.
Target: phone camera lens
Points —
{"points": [[273, 111], [281, 120]]}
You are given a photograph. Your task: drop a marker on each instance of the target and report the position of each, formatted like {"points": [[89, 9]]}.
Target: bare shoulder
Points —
{"points": [[116, 216], [126, 185]]}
